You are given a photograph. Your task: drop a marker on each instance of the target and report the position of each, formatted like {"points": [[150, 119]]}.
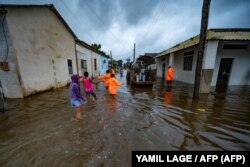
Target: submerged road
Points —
{"points": [[40, 130]]}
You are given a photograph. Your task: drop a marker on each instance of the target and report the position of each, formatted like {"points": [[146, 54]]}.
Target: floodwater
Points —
{"points": [[40, 130]]}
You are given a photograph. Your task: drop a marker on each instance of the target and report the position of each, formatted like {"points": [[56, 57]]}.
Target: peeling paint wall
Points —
{"points": [[10, 80], [42, 45]]}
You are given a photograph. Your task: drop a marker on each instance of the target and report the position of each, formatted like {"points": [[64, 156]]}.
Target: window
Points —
{"points": [[95, 64], [188, 61], [70, 66], [83, 64]]}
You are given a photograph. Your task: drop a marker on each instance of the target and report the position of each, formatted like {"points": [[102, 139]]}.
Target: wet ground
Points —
{"points": [[40, 130]]}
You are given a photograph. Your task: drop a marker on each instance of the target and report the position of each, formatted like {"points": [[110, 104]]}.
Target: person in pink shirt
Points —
{"points": [[87, 83]]}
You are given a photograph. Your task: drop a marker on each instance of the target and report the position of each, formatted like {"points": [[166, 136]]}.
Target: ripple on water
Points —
{"points": [[41, 130]]}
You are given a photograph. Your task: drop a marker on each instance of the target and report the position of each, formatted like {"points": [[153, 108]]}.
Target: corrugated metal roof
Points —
{"points": [[212, 34]]}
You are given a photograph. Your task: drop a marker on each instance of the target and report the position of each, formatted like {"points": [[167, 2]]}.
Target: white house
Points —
{"points": [[37, 49], [225, 63], [91, 60], [103, 64]]}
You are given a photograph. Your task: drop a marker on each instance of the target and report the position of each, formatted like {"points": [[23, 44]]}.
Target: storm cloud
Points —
{"points": [[153, 25]]}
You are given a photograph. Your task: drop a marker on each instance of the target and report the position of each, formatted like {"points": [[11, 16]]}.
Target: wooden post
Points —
{"points": [[134, 52], [203, 30]]}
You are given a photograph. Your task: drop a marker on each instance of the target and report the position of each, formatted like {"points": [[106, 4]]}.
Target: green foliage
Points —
{"points": [[98, 47], [119, 62]]}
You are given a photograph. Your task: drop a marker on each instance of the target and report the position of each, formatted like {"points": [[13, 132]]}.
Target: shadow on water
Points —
{"points": [[41, 131]]}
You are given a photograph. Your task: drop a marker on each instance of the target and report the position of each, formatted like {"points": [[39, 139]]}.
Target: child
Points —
{"points": [[106, 78], [113, 83], [121, 72], [87, 83], [76, 98]]}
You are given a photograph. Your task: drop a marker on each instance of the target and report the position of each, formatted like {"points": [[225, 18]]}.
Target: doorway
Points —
{"points": [[224, 74], [163, 71]]}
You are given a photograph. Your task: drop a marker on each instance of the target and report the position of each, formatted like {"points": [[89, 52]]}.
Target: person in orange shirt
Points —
{"points": [[113, 84], [169, 76], [105, 78]]}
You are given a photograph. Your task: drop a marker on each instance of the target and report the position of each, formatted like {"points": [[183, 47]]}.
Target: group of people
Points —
{"points": [[77, 99]]}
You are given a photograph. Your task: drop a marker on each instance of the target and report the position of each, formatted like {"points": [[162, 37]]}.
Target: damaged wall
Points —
{"points": [[9, 79], [42, 46]]}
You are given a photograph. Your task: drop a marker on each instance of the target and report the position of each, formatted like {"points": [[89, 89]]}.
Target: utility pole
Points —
{"points": [[111, 59], [202, 41], [134, 52]]}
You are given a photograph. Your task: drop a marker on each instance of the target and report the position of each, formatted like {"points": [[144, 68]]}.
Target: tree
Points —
{"points": [[119, 62], [98, 47]]}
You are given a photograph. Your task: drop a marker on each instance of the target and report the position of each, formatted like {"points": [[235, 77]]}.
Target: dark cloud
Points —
{"points": [[228, 5], [98, 13], [136, 10], [101, 13], [230, 14], [154, 25]]}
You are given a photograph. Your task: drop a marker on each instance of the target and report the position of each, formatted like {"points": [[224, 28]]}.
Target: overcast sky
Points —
{"points": [[153, 25]]}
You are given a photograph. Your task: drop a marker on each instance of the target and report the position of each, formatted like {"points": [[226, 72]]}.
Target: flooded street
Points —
{"points": [[40, 130]]}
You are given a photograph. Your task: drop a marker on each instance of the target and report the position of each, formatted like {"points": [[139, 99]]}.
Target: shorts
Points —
{"points": [[90, 93], [169, 81], [76, 102]]}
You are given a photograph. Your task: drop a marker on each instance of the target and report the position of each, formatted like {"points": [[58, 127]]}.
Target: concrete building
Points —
{"points": [[91, 60], [103, 64], [37, 49], [225, 62]]}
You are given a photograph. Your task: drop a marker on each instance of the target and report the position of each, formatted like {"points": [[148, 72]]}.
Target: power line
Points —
{"points": [[155, 19], [77, 20], [100, 19]]}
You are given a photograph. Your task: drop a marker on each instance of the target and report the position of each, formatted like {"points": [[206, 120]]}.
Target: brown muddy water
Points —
{"points": [[41, 131]]}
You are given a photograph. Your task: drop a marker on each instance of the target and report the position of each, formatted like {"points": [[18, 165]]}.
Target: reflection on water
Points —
{"points": [[41, 131]]}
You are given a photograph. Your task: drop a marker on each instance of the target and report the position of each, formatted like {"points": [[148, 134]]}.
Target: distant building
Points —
{"points": [[225, 62], [91, 60], [37, 50]]}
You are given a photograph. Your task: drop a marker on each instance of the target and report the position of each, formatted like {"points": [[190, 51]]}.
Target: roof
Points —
{"points": [[151, 54], [50, 6], [147, 59], [84, 44], [242, 34]]}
